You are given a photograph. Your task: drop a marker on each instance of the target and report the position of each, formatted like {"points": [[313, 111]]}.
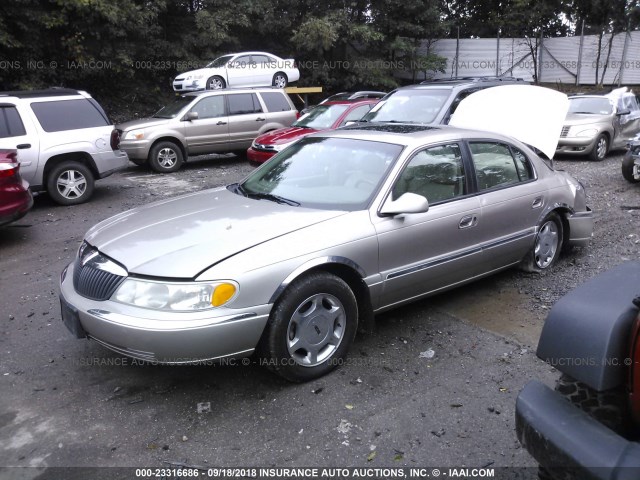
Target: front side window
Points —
{"points": [[10, 123], [210, 107], [243, 103], [497, 167], [436, 173]]}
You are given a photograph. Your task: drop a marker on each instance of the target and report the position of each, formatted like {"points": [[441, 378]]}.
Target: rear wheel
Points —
{"points": [[600, 148], [165, 157], [70, 183], [630, 171], [311, 327], [547, 245]]}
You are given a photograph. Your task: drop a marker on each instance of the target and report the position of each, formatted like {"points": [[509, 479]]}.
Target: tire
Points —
{"points": [[70, 183], [627, 170], [320, 308], [215, 83], [165, 157], [600, 148], [610, 408], [547, 245], [280, 80], [138, 161]]}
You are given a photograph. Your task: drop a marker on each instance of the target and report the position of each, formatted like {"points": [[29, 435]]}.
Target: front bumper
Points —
{"points": [[563, 438], [259, 156], [162, 337], [138, 149], [580, 228], [575, 146], [188, 85]]}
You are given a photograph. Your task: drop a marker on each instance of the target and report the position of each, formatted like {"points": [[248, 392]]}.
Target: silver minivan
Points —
{"points": [[200, 123]]}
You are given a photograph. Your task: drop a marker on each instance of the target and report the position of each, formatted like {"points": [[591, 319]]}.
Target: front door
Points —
{"points": [[209, 132], [425, 252]]}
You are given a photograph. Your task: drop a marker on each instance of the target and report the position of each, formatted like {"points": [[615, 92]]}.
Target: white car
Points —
{"points": [[246, 69]]}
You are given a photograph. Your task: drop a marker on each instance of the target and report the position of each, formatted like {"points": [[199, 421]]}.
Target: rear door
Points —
{"points": [[511, 200], [210, 131], [245, 119], [17, 132]]}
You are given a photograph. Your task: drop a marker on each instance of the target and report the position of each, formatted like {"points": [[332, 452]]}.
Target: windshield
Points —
{"points": [[220, 61], [321, 117], [174, 108], [326, 173], [590, 105], [409, 106]]}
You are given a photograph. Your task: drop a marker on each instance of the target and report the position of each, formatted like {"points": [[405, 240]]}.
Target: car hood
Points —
{"points": [[181, 237], [284, 135], [141, 123], [586, 119], [533, 115]]}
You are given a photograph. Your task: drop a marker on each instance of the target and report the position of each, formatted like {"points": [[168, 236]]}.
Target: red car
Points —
{"points": [[15, 196], [326, 116]]}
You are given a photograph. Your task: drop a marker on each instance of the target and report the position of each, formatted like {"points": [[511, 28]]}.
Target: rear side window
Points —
{"points": [[496, 166], [10, 123], [68, 115], [243, 103], [275, 102]]}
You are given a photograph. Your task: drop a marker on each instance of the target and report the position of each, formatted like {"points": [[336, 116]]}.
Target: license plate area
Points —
{"points": [[71, 319]]}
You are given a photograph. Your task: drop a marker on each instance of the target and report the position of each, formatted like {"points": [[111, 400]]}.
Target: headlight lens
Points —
{"points": [[590, 132], [175, 297], [281, 146], [134, 135]]}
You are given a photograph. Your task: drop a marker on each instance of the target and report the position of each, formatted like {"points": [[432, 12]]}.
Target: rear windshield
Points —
{"points": [[63, 115]]}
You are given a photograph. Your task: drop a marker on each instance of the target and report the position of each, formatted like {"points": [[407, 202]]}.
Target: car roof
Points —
{"points": [[411, 134], [230, 90], [49, 92]]}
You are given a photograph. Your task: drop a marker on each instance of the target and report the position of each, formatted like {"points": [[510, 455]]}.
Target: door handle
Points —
{"points": [[537, 203], [468, 221], [220, 122], [259, 119], [22, 146]]}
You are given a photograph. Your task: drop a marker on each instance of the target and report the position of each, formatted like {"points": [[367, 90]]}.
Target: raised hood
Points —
{"points": [[533, 115], [181, 237]]}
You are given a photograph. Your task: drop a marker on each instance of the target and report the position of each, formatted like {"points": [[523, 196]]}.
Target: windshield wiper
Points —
{"points": [[273, 198], [237, 188], [586, 113]]}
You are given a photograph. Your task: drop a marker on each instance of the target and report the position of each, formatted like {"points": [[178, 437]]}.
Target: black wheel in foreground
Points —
{"points": [[311, 327], [629, 172]]}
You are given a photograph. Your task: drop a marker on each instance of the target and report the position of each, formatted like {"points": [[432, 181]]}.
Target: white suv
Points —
{"points": [[64, 138]]}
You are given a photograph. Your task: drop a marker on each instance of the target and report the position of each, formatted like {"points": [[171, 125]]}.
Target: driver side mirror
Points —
{"points": [[191, 116], [406, 203]]}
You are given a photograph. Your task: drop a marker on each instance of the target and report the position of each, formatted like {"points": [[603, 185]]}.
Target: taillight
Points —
{"points": [[297, 114], [634, 370], [9, 165], [115, 140]]}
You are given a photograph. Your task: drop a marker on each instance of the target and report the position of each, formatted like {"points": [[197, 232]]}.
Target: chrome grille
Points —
{"points": [[94, 275], [565, 131]]}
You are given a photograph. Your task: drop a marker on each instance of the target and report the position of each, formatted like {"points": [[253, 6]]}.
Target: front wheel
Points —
{"points": [[165, 157], [311, 327], [70, 183], [280, 80], [600, 148], [215, 83], [630, 171], [547, 245]]}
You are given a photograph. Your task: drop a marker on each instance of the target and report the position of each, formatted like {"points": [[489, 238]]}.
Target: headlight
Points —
{"points": [[134, 135], [175, 297], [590, 132], [281, 146]]}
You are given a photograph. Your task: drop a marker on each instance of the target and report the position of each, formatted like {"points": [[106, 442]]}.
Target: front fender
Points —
{"points": [[586, 334]]}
